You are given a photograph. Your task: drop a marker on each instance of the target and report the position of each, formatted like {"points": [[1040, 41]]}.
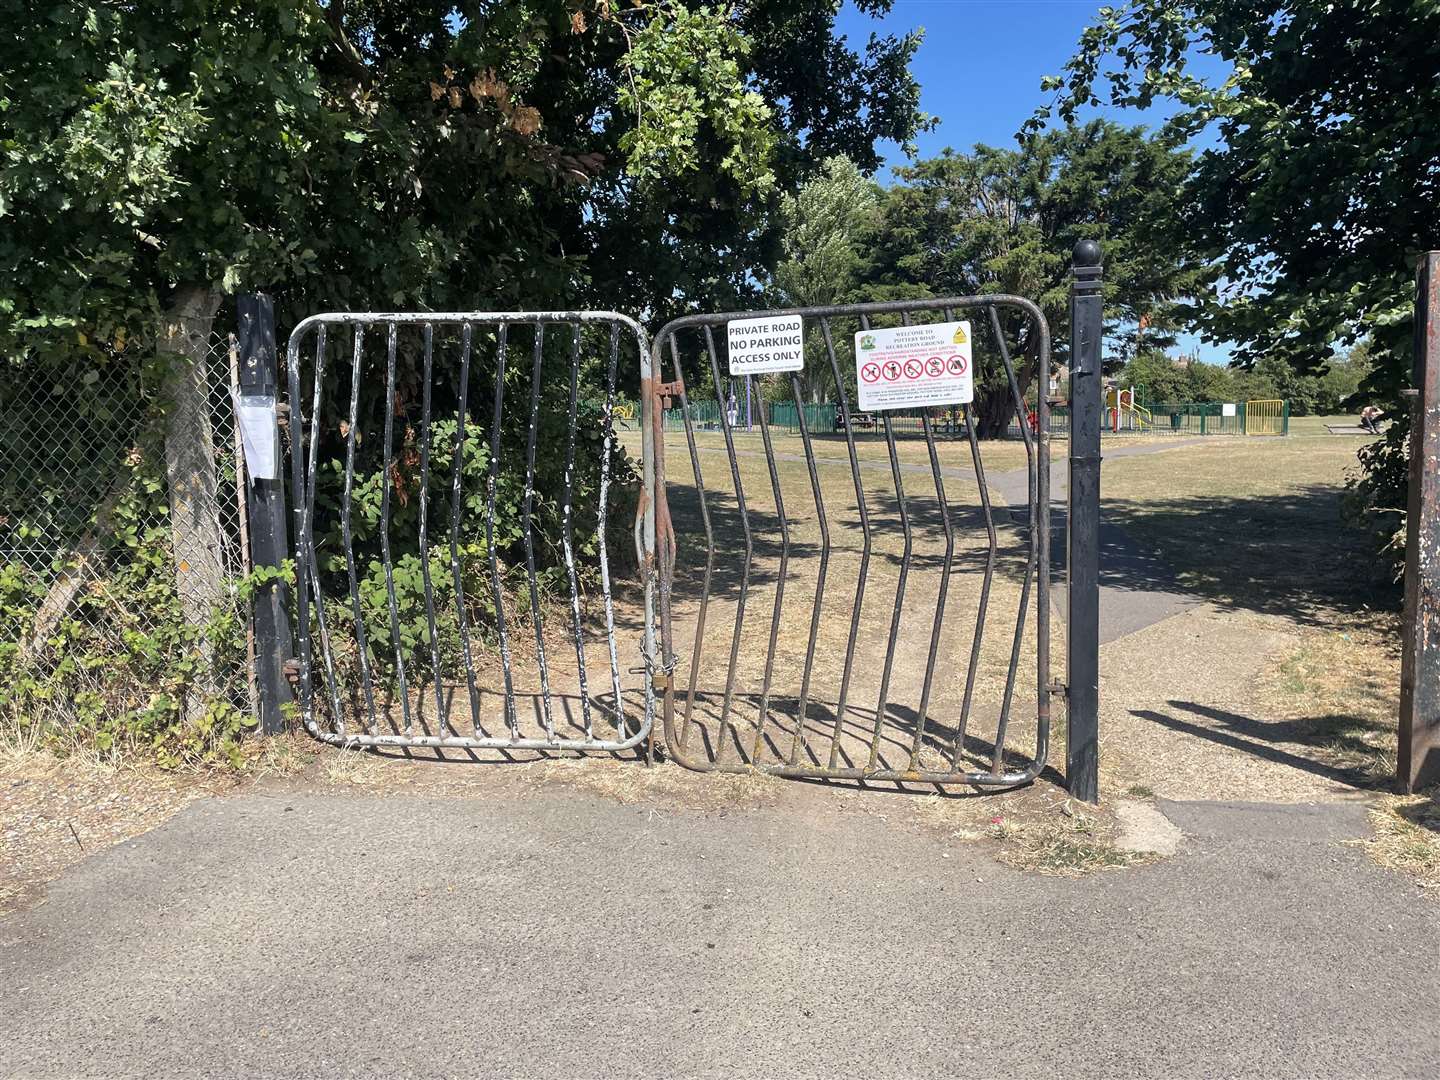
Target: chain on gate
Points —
{"points": [[433, 587], [781, 696]]}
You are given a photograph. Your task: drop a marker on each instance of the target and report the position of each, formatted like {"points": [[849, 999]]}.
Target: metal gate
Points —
{"points": [[445, 396], [779, 694]]}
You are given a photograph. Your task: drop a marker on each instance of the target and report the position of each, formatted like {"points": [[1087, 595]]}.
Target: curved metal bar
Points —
{"points": [[497, 594], [567, 536], [387, 482], [899, 608], [709, 554], [309, 579], [456, 497], [749, 547], [779, 583], [996, 777], [802, 709], [866, 543], [362, 644], [441, 712], [528, 533]]}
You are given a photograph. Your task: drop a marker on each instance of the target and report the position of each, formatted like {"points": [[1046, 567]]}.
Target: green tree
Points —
{"points": [[367, 154], [1005, 220], [1161, 380], [822, 226], [1319, 190], [399, 154]]}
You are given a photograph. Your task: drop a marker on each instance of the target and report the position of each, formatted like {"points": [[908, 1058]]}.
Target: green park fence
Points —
{"points": [[1190, 418], [1176, 418], [783, 416]]}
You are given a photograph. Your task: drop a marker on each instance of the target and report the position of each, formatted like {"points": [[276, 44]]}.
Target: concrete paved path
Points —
{"points": [[564, 935], [1132, 576]]}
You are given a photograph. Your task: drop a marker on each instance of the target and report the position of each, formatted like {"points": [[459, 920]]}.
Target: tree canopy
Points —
{"points": [[1321, 185], [1006, 220], [368, 154]]}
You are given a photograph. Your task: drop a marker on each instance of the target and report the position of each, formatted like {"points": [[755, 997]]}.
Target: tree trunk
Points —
{"points": [[995, 406], [190, 462]]}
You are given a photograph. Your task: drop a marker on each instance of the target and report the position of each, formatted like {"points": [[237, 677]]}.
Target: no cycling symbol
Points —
{"points": [[935, 367], [913, 369], [870, 372], [892, 371]]}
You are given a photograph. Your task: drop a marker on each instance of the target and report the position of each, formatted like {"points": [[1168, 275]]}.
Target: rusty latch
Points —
{"points": [[1058, 687]]}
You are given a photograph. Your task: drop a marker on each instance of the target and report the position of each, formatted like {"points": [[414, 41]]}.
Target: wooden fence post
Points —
{"points": [[1418, 760]]}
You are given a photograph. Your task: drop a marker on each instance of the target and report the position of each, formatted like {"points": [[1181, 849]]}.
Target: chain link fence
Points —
{"points": [[101, 625]]}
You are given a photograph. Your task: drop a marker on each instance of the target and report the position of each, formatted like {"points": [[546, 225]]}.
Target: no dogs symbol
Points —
{"points": [[870, 372]]}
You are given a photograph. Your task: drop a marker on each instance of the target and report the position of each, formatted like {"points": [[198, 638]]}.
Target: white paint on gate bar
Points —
{"points": [[915, 366], [776, 343]]}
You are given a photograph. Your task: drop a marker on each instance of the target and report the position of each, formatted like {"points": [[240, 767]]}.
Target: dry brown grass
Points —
{"points": [[54, 811], [1253, 524], [1407, 836], [1340, 691], [1037, 829]]}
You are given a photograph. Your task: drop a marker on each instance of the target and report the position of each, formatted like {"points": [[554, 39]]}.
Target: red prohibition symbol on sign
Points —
{"points": [[913, 369], [935, 367], [870, 372], [892, 371], [956, 365]]}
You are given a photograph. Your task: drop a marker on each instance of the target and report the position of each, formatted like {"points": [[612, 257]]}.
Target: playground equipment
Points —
{"points": [[1124, 413]]}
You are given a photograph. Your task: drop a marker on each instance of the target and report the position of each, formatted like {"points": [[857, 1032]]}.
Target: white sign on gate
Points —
{"points": [[760, 345], [915, 366]]}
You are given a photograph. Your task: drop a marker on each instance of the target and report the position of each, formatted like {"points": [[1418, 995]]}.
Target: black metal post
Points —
{"points": [[1083, 662], [1418, 760], [269, 534]]}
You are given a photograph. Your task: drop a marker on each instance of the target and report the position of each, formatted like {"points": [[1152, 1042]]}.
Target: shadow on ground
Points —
{"points": [[1334, 744], [1288, 554]]}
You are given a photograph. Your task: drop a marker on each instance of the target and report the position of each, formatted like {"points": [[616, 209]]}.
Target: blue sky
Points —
{"points": [[980, 66]]}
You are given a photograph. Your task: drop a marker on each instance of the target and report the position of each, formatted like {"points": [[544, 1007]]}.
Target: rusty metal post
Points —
{"points": [[1418, 760], [1082, 668]]}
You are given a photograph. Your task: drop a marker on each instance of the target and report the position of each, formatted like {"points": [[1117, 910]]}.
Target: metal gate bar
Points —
{"points": [[1037, 568], [310, 581]]}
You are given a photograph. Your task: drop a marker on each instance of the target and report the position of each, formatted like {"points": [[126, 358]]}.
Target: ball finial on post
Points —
{"points": [[1086, 253]]}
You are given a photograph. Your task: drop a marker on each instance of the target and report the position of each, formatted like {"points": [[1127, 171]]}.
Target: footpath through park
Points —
{"points": [[553, 927]]}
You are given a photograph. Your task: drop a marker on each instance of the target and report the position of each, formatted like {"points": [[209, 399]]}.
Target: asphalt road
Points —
{"points": [[562, 934]]}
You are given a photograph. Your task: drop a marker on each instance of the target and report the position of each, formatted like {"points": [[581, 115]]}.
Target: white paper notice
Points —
{"points": [[914, 366], [1227, 409], [761, 345], [259, 434]]}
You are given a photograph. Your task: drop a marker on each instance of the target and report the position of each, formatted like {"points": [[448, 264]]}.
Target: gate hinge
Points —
{"points": [[1058, 687]]}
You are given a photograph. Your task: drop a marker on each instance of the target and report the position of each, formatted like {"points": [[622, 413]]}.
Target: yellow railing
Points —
{"points": [[1265, 417]]}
